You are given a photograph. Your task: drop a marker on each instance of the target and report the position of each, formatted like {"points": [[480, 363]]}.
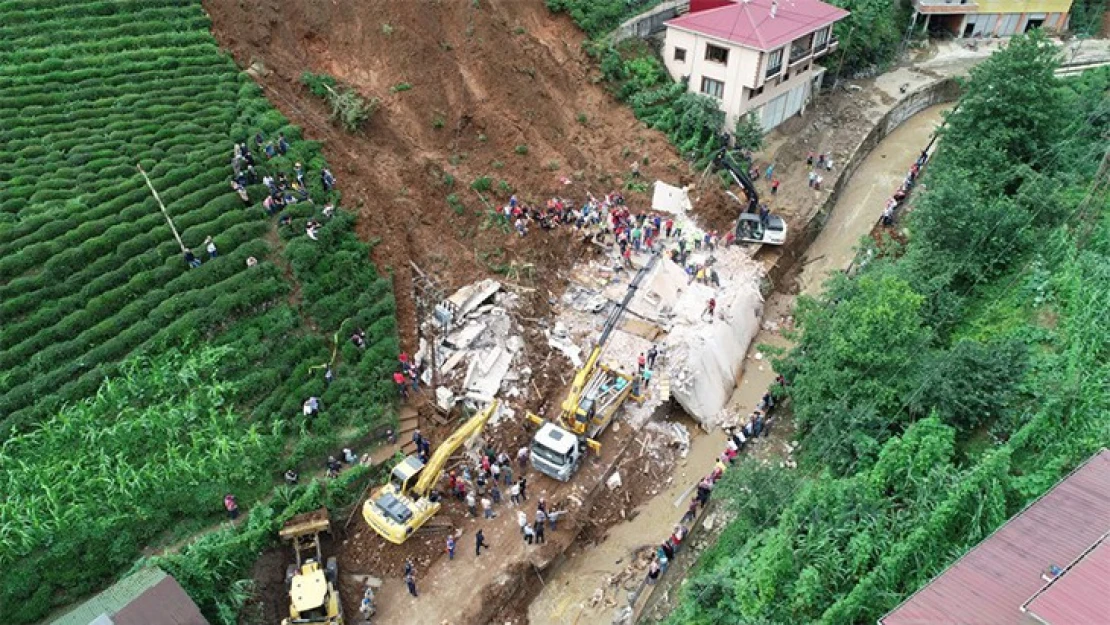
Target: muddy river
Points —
{"points": [[565, 597]]}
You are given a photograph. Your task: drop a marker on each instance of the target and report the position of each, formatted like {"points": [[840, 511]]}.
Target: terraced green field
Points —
{"points": [[90, 276]]}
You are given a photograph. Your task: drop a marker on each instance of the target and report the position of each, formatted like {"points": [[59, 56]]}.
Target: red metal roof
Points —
{"points": [[750, 23], [1079, 596], [989, 584], [164, 604]]}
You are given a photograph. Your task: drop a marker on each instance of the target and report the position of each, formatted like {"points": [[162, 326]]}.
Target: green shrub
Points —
{"points": [[521, 149], [482, 184]]}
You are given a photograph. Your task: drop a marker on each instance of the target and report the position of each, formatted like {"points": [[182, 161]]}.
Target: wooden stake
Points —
{"points": [[163, 207]]}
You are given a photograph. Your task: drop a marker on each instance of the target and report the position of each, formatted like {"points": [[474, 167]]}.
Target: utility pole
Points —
{"points": [[427, 295], [165, 214]]}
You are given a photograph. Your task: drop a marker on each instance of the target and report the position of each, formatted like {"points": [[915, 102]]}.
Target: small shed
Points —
{"points": [[149, 596]]}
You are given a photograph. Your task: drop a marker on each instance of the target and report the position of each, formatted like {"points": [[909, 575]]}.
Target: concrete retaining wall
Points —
{"points": [[650, 22]]}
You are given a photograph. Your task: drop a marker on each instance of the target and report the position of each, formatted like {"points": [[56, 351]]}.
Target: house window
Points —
{"points": [[716, 54], [713, 88], [680, 55], [774, 62], [820, 38]]}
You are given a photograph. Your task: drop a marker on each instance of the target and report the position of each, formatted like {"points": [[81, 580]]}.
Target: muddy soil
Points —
{"points": [[497, 88]]}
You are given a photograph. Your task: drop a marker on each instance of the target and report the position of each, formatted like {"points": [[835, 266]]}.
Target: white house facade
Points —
{"points": [[759, 55]]}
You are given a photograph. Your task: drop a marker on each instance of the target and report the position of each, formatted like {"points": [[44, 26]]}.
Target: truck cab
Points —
{"points": [[751, 229], [556, 452]]}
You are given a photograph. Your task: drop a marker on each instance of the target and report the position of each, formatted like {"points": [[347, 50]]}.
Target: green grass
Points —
{"points": [[90, 276]]}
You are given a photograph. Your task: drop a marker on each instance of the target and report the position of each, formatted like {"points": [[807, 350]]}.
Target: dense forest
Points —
{"points": [[948, 382]]}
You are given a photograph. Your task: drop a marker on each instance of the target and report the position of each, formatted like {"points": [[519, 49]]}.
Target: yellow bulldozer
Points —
{"points": [[311, 582], [396, 510]]}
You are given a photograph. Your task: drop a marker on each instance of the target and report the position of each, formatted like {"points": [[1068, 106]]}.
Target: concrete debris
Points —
{"points": [[445, 399], [584, 300], [565, 347], [483, 335], [465, 336], [614, 481], [670, 199], [708, 522], [471, 296], [677, 433]]}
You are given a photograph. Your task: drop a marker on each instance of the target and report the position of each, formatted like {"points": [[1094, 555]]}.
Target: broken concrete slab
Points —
{"points": [[462, 338], [670, 199], [614, 481], [471, 296]]}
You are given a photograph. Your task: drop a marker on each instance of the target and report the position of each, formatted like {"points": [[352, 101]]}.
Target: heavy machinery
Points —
{"points": [[595, 395], [312, 584], [402, 506], [749, 227]]}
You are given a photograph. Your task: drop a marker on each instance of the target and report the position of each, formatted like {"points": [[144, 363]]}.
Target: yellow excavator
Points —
{"points": [[312, 584], [595, 395], [399, 508]]}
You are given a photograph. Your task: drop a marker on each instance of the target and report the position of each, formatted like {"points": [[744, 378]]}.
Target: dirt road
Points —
{"points": [[863, 199]]}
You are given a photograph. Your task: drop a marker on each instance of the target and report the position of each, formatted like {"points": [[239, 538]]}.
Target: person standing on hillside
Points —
{"points": [[210, 247], [451, 547], [191, 259], [410, 581], [232, 507], [479, 542]]}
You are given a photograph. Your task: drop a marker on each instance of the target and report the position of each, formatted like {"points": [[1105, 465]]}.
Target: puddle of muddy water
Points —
{"points": [[565, 597]]}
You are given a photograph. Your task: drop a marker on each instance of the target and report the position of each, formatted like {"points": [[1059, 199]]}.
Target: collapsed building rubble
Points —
{"points": [[477, 350], [701, 354]]}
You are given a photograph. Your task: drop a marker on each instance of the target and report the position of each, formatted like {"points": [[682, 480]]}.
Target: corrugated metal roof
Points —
{"points": [[1079, 596], [148, 597], [989, 584], [113, 598], [750, 23], [164, 604]]}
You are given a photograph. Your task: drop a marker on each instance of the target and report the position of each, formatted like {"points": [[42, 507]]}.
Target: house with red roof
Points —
{"points": [[756, 56]]}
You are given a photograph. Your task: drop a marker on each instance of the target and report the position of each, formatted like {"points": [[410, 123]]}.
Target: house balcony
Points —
{"points": [[825, 48], [945, 7], [800, 55]]}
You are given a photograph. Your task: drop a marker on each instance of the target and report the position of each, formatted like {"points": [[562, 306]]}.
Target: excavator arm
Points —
{"points": [[429, 476], [721, 161]]}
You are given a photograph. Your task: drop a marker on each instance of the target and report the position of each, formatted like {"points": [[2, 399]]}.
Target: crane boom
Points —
{"points": [[574, 396], [430, 474]]}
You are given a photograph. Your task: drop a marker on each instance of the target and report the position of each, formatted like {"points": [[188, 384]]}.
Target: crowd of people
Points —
{"points": [[895, 202], [283, 189], [493, 483], [758, 424]]}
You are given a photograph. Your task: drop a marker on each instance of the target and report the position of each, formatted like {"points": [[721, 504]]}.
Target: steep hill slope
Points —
{"points": [[490, 80]]}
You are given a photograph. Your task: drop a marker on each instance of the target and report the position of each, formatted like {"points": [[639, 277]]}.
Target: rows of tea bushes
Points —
{"points": [[91, 275]]}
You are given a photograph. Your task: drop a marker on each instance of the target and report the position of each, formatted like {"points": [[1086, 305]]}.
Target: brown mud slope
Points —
{"points": [[486, 76]]}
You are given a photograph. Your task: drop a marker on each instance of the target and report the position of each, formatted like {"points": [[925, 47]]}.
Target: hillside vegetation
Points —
{"points": [[101, 457], [947, 384]]}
